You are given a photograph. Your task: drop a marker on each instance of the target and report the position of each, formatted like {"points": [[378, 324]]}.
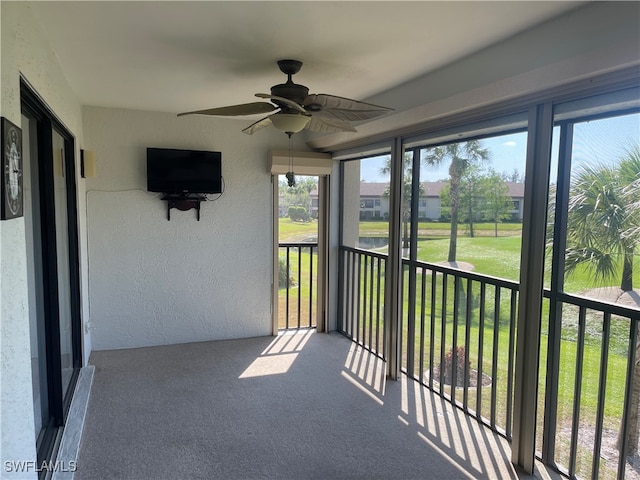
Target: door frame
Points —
{"points": [[34, 108], [310, 164]]}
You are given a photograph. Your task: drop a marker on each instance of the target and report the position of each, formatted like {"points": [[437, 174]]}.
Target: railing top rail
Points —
{"points": [[362, 251], [298, 244], [479, 277], [500, 282], [594, 304]]}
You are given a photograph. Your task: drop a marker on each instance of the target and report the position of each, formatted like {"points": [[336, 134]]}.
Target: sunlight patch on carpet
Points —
{"points": [[270, 365]]}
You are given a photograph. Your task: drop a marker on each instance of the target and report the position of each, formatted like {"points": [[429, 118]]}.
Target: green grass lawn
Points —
{"points": [[381, 229], [290, 231], [498, 257]]}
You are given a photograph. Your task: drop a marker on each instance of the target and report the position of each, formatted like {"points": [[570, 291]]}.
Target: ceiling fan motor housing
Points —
{"points": [[291, 91]]}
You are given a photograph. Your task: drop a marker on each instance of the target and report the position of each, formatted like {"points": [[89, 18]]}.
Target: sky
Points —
{"points": [[602, 140], [507, 153]]}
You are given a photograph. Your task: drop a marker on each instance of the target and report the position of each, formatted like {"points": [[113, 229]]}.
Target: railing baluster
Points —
{"points": [[288, 286], [494, 366], [411, 320], [378, 272], [354, 296], [401, 318], [454, 337], [384, 323], [577, 390], [352, 305], [299, 282], [443, 329], [341, 295], [371, 304], [602, 390], [511, 360], [347, 293], [432, 326], [467, 345], [423, 302], [483, 304], [357, 288], [310, 286], [365, 297], [631, 366]]}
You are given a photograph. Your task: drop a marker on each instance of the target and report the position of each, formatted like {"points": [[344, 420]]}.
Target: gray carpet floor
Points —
{"points": [[297, 406]]}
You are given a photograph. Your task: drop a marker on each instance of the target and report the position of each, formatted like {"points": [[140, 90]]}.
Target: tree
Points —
{"points": [[469, 200], [298, 214], [515, 176], [299, 194], [484, 195], [631, 195], [497, 203], [471, 196], [461, 156], [407, 178], [604, 218], [603, 231]]}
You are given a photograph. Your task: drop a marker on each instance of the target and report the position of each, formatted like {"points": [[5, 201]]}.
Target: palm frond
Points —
{"points": [[601, 265], [603, 223]]}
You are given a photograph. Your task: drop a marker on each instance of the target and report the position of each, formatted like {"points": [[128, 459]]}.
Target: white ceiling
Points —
{"points": [[181, 56]]}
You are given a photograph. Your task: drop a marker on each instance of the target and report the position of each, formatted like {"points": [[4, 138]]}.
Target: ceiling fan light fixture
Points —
{"points": [[289, 123]]}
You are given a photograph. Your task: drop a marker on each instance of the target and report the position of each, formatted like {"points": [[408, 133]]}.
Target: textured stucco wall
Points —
{"points": [[154, 281], [22, 50]]}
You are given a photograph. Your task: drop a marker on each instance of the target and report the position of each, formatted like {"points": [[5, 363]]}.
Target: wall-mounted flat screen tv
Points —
{"points": [[183, 171]]}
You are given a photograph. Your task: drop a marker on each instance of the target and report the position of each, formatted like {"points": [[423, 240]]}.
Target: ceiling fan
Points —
{"points": [[293, 109]]}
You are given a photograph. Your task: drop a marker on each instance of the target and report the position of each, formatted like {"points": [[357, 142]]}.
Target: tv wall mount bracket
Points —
{"points": [[183, 203]]}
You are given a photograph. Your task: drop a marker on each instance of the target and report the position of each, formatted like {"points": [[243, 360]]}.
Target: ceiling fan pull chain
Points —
{"points": [[291, 179]]}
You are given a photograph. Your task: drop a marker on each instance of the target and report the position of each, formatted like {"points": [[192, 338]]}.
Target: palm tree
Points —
{"points": [[603, 230], [462, 156], [604, 219]]}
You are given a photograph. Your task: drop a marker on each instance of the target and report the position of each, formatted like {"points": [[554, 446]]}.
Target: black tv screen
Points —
{"points": [[183, 171]]}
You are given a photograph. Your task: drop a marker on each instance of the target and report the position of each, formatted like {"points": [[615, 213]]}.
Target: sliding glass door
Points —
{"points": [[53, 276], [61, 214]]}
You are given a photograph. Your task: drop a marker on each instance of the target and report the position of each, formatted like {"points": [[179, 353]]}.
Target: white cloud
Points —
{"points": [[510, 144]]}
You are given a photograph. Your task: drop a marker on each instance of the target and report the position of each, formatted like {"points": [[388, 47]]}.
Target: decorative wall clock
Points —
{"points": [[11, 203]]}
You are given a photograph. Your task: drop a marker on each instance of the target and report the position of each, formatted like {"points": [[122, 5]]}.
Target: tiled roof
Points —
{"points": [[374, 189], [431, 189], [516, 189]]}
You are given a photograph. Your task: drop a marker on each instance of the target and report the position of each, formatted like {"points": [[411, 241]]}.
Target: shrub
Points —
{"points": [[283, 274], [460, 361], [298, 214]]}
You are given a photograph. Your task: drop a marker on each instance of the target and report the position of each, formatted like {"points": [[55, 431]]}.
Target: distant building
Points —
{"points": [[374, 201]]}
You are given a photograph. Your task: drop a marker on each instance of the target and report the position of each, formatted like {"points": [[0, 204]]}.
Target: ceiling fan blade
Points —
{"points": [[236, 110], [259, 125], [286, 101], [342, 108], [327, 124]]}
